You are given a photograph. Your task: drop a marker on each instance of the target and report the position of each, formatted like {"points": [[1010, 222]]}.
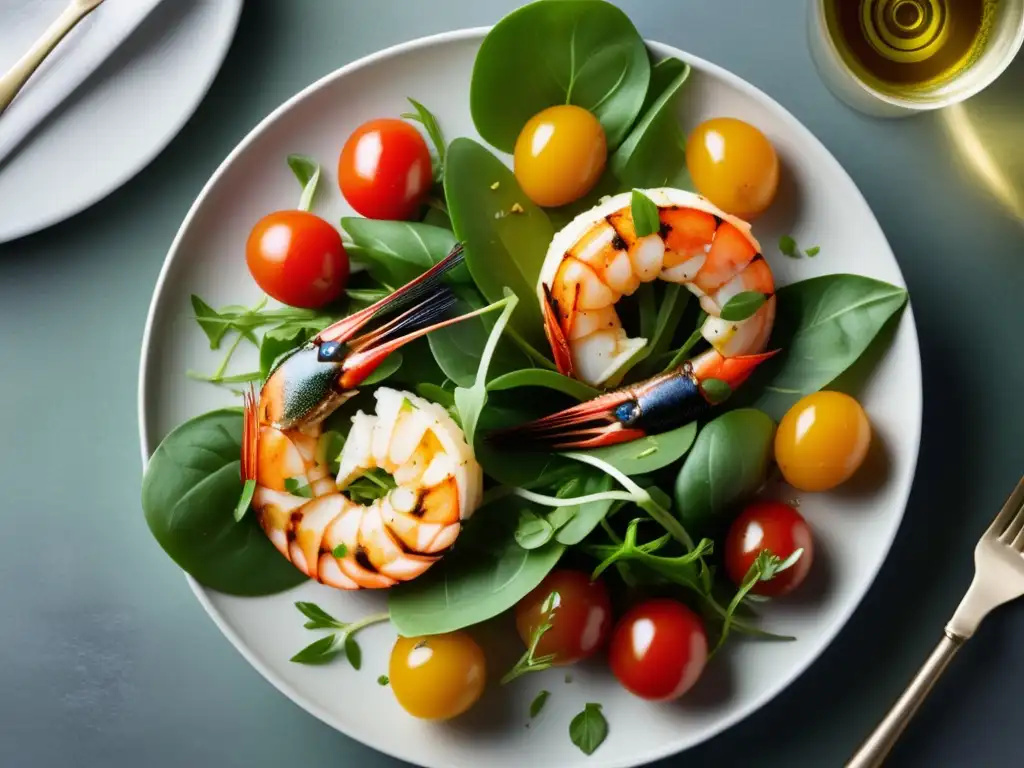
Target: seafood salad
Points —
{"points": [[541, 373]]}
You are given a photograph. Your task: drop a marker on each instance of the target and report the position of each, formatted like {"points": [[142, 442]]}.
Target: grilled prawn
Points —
{"points": [[326, 535], [598, 258]]}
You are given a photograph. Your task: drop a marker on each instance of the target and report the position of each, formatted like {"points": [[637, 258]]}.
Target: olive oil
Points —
{"points": [[910, 48]]}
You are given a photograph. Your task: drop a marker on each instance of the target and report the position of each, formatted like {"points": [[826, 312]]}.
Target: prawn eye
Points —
{"points": [[331, 352], [628, 413]]}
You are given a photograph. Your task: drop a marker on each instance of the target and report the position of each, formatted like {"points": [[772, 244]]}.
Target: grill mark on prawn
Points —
{"points": [[363, 559]]}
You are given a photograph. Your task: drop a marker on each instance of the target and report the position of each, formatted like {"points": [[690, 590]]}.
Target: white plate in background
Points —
{"points": [[818, 204], [120, 118]]}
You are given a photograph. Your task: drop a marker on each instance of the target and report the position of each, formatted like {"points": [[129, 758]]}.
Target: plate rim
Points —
{"points": [[829, 633], [103, 191]]}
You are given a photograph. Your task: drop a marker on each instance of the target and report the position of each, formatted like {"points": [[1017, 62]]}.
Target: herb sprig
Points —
{"points": [[341, 640]]}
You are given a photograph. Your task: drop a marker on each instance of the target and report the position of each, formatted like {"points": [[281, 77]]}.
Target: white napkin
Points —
{"points": [[22, 22]]}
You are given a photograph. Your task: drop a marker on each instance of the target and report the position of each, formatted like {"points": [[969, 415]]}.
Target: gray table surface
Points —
{"points": [[107, 659]]}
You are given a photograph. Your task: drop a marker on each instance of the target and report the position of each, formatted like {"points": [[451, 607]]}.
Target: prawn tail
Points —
{"points": [[731, 370], [250, 435], [560, 350]]}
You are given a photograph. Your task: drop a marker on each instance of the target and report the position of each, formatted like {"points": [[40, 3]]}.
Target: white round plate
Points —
{"points": [[120, 119], [819, 204]]}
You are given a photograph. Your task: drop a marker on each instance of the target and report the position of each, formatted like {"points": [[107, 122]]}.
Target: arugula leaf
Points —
{"points": [[589, 728], [645, 214], [246, 498], [538, 703], [470, 401], [530, 662], [307, 171], [764, 568], [426, 118], [210, 321], [318, 617], [742, 305], [682, 570]]}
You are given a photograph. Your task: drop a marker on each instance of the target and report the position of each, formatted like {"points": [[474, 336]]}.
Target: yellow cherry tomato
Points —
{"points": [[733, 165], [437, 677], [822, 440], [559, 155]]}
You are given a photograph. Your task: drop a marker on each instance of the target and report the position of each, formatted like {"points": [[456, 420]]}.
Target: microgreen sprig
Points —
{"points": [[341, 640], [530, 661], [765, 567]]}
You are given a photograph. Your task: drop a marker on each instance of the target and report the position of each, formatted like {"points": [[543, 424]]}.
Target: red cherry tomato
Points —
{"points": [[297, 258], [384, 170], [659, 649], [580, 618], [781, 530]]}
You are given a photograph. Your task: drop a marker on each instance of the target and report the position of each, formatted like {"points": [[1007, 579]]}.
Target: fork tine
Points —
{"points": [[1008, 522]]}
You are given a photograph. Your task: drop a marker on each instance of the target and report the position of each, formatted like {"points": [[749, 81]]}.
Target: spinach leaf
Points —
{"points": [[648, 454], [727, 464], [586, 517], [538, 377], [189, 493], [395, 252], [485, 574], [532, 531], [504, 248], [582, 52], [654, 152], [822, 325]]}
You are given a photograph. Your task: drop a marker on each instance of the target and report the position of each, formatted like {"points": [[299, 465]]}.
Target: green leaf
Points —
{"points": [[245, 499], [307, 171], [189, 493], [742, 305], [654, 152], [426, 118], [813, 251], [645, 214], [339, 551], [318, 617], [298, 487], [822, 325], [683, 570], [383, 680], [716, 390], [585, 517], [588, 729], [764, 568], [210, 321], [538, 703], [727, 464], [353, 652], [470, 401], [397, 252], [503, 249], [278, 343], [387, 368], [539, 377], [650, 453], [532, 530], [787, 245], [530, 661], [547, 53], [320, 651], [485, 574], [367, 296]]}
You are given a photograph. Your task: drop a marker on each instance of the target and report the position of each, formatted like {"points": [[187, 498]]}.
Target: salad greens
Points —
{"points": [[581, 52], [643, 514]]}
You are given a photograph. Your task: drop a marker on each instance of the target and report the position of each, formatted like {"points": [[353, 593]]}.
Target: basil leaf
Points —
{"points": [[645, 214], [654, 152], [307, 171], [742, 305], [716, 390], [538, 703], [577, 52], [484, 575], [318, 617], [503, 249], [397, 252], [588, 729], [727, 464], [823, 326], [189, 492]]}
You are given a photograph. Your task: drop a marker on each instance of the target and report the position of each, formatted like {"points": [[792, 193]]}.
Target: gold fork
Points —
{"points": [[12, 82], [998, 579]]}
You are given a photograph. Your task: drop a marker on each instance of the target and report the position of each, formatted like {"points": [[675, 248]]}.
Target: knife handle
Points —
{"points": [[13, 81]]}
